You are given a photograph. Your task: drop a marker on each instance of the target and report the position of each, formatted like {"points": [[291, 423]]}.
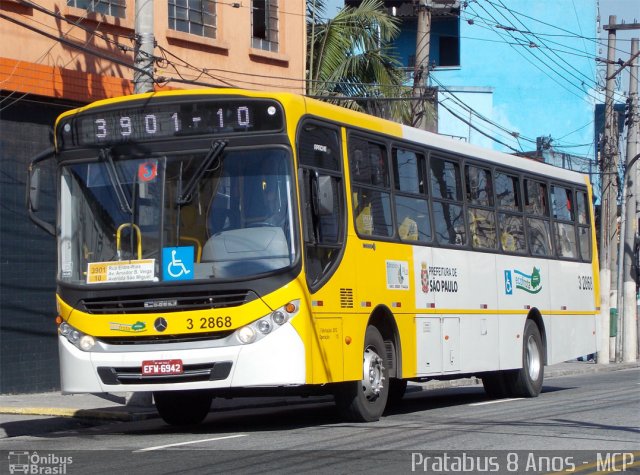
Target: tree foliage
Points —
{"points": [[350, 59]]}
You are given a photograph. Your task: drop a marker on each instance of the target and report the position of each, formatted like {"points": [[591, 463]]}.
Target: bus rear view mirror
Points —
{"points": [[34, 189]]}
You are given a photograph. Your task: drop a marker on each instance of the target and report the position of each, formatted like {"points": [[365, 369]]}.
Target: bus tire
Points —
{"points": [[365, 400], [527, 381], [180, 408]]}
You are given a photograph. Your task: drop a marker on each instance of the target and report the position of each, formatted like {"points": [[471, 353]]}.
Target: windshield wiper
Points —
{"points": [[217, 146], [123, 202]]}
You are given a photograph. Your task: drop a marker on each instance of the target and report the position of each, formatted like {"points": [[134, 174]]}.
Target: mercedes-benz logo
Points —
{"points": [[160, 324]]}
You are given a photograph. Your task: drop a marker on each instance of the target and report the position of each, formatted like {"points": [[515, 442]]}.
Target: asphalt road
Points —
{"points": [[579, 420]]}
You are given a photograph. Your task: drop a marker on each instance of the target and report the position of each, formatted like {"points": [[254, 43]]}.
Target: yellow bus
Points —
{"points": [[232, 242]]}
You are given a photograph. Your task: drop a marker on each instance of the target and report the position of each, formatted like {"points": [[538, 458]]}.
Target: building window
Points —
{"points": [[114, 8], [197, 17], [264, 24]]}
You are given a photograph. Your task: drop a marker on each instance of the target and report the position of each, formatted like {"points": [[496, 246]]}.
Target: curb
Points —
{"points": [[586, 368], [99, 414]]}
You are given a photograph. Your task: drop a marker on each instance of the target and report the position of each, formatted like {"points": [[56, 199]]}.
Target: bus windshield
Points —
{"points": [[222, 214]]}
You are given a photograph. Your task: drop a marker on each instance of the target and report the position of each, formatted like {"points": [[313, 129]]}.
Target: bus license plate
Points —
{"points": [[161, 367]]}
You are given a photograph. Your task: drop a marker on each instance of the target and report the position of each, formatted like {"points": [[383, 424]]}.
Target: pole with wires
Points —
{"points": [[607, 203], [145, 43], [627, 285], [421, 68]]}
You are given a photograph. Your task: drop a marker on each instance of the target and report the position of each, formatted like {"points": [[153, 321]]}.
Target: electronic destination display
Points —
{"points": [[143, 122]]}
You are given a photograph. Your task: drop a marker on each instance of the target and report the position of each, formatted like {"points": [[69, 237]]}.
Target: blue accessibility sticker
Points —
{"points": [[177, 263], [508, 283]]}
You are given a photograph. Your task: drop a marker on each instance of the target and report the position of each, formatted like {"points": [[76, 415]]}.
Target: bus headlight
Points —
{"points": [[264, 326], [247, 335], [279, 317], [76, 337], [268, 324], [87, 342]]}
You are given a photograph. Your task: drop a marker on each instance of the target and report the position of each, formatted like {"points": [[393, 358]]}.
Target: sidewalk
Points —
{"points": [[115, 407]]}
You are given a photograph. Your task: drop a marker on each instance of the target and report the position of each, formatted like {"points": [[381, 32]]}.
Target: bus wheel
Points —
{"points": [[364, 401], [527, 381], [180, 408]]}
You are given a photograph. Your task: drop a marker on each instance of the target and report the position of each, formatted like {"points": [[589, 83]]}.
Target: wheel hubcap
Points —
{"points": [[533, 359], [373, 371]]}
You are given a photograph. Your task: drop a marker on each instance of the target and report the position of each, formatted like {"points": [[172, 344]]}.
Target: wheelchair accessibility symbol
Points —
{"points": [[177, 263], [508, 283]]}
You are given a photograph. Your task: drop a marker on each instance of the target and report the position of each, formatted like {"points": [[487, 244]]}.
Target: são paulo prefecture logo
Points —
{"points": [[530, 283]]}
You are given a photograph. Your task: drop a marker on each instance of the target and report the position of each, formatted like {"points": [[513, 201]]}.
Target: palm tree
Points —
{"points": [[350, 60]]}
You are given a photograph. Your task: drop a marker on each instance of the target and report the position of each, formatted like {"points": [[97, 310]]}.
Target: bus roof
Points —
{"points": [[362, 121]]}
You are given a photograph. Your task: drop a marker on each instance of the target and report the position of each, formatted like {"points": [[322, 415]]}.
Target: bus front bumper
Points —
{"points": [[275, 360]]}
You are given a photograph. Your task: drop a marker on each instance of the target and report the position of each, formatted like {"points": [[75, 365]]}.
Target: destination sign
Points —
{"points": [[145, 121]]}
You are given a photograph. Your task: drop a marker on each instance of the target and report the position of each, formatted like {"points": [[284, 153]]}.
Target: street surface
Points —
{"points": [[598, 414]]}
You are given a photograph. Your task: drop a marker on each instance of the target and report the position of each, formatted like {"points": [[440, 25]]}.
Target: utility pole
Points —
{"points": [[630, 329], [144, 45], [607, 201], [421, 68]]}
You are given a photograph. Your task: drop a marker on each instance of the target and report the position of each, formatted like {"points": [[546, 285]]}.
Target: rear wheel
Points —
{"points": [[527, 381], [365, 400], [179, 408]]}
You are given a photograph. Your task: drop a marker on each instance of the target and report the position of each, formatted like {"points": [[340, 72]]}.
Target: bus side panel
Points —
{"points": [[328, 366], [573, 328], [457, 329], [480, 329], [523, 284], [573, 336], [383, 286]]}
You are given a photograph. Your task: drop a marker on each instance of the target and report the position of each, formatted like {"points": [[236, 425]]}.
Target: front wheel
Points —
{"points": [[365, 400], [180, 408], [527, 381]]}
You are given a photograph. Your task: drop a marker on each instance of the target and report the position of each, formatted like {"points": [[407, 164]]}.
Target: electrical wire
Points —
{"points": [[537, 63], [479, 130], [527, 32], [203, 71], [482, 117]]}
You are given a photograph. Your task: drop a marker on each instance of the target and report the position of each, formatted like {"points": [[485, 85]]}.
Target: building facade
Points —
{"points": [[56, 55]]}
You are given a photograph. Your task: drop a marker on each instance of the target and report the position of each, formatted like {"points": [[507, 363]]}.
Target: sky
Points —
{"points": [[627, 11], [333, 6]]}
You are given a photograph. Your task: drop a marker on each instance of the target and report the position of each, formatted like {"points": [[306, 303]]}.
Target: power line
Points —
{"points": [[537, 66], [528, 32], [479, 130]]}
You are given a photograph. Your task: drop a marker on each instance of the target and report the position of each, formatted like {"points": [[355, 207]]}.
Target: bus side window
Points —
{"points": [[371, 190], [512, 237], [510, 221], [481, 216], [539, 237], [535, 198], [448, 213], [563, 228], [584, 231], [411, 206], [538, 226]]}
